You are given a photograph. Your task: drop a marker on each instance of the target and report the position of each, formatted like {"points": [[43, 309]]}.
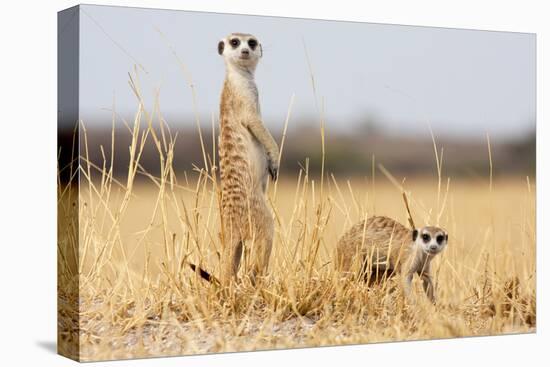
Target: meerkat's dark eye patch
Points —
{"points": [[440, 238], [426, 237], [252, 43], [235, 42]]}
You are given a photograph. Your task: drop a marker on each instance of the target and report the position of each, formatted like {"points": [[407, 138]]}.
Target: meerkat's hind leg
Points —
{"points": [[260, 254], [237, 256], [262, 245], [231, 260]]}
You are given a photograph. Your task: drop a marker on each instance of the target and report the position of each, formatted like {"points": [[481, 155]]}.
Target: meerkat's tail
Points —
{"points": [[204, 274]]}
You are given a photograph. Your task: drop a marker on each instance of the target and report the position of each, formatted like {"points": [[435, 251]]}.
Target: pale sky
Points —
{"points": [[466, 83]]}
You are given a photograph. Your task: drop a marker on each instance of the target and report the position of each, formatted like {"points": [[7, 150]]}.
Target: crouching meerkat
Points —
{"points": [[248, 155], [381, 244]]}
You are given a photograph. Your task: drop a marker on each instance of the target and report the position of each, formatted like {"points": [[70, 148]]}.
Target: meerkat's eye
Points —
{"points": [[252, 43], [426, 237], [440, 238], [235, 42]]}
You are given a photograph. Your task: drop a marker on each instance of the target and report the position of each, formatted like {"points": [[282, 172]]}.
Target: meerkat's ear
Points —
{"points": [[261, 50], [221, 46], [446, 237], [415, 234]]}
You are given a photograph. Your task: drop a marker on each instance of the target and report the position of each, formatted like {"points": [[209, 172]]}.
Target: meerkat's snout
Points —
{"points": [[245, 53], [432, 240]]}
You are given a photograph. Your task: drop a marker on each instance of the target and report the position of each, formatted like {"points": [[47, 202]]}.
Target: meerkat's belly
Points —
{"points": [[257, 159]]}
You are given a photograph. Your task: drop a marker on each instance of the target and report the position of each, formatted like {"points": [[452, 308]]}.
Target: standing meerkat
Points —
{"points": [[381, 244], [248, 154]]}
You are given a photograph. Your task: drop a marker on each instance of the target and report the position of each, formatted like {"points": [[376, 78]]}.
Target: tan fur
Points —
{"points": [[248, 154], [381, 245]]}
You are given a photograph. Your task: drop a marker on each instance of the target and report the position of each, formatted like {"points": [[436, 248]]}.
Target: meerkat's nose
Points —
{"points": [[245, 51], [433, 247]]}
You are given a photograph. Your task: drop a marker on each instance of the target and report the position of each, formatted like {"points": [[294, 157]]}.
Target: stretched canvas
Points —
{"points": [[232, 183]]}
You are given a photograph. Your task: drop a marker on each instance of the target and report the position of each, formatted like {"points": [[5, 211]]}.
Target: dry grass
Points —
{"points": [[125, 290]]}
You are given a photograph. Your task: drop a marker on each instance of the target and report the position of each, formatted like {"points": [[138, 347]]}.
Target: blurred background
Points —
{"points": [[379, 88]]}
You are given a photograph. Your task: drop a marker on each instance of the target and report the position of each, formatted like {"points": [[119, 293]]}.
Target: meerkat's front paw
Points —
{"points": [[273, 167]]}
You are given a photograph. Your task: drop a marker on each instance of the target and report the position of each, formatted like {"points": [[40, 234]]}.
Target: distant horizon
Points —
{"points": [[298, 123]]}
